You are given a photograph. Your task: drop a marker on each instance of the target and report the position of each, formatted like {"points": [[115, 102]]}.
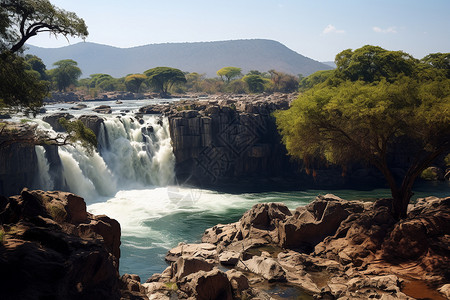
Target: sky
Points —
{"points": [[318, 29]]}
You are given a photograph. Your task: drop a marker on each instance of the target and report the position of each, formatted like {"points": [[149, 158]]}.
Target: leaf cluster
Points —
{"points": [[78, 132]]}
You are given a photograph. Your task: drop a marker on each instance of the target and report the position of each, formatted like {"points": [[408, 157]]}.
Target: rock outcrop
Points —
{"points": [[52, 248], [330, 249]]}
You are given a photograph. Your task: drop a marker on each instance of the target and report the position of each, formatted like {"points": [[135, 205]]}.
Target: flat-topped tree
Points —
{"points": [[374, 99], [23, 19], [163, 78]]}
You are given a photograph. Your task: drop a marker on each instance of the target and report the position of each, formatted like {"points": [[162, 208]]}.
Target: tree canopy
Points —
{"points": [[163, 78], [372, 100], [23, 19], [134, 82], [229, 73], [65, 74]]}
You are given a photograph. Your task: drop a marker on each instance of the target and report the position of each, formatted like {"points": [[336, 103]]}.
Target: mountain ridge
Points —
{"points": [[201, 57]]}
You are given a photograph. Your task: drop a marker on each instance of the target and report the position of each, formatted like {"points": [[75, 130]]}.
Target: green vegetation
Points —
{"points": [[374, 99], [228, 73], [76, 131], [2, 235], [22, 81], [65, 74], [429, 174], [134, 82], [163, 78]]}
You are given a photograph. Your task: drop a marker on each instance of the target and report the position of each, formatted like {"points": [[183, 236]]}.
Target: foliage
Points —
{"points": [[163, 78], [429, 174], [37, 65], [282, 82], [23, 19], [315, 78], [362, 114], [2, 235], [77, 132], [134, 82], [254, 82], [65, 74], [19, 85], [194, 81], [228, 73]]}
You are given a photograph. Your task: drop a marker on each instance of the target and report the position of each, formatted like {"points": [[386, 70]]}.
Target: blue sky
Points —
{"points": [[318, 29]]}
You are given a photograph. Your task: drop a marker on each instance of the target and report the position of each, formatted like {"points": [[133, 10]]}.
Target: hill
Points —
{"points": [[201, 57]]}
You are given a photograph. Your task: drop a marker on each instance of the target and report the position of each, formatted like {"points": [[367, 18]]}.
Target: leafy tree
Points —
{"points": [[19, 85], [282, 82], [37, 65], [228, 73], [78, 132], [163, 78], [134, 82], [254, 82], [236, 87], [193, 81], [65, 74], [362, 117], [315, 78], [23, 19]]}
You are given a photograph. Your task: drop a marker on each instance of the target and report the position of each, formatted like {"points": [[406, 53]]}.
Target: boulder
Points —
{"points": [[311, 224], [103, 109], [207, 285], [53, 120], [267, 267], [229, 258], [188, 265], [92, 122], [205, 251]]}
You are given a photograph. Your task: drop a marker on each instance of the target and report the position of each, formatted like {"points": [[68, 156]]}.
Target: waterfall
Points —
{"points": [[133, 154], [43, 180]]}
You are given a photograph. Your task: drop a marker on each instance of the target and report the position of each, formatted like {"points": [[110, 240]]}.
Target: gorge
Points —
{"points": [[159, 160]]}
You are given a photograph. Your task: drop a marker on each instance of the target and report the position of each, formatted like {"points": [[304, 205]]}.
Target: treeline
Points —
{"points": [[164, 80]]}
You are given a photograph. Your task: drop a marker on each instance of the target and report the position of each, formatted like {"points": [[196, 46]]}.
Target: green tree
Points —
{"points": [[19, 85], [65, 74], [134, 82], [364, 115], [163, 78], [37, 65], [23, 19], [193, 81], [254, 82], [228, 73]]}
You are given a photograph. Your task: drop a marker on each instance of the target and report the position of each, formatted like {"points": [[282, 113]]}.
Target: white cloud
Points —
{"points": [[387, 30], [331, 29]]}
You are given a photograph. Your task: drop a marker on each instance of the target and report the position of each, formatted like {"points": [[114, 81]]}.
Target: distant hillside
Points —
{"points": [[330, 63], [201, 57]]}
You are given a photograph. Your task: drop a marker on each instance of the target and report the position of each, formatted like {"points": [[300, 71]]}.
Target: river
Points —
{"points": [[132, 180]]}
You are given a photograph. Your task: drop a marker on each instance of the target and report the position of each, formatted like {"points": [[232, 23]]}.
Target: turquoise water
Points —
{"points": [[155, 220]]}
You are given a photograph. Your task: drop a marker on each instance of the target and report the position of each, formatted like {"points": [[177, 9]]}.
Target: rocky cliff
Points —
{"points": [[227, 140], [52, 248]]}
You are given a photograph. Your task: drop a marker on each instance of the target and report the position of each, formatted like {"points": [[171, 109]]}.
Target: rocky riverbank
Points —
{"points": [[52, 248], [329, 249]]}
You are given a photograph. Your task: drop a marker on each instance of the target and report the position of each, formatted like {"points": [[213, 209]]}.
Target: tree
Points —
{"points": [[134, 82], [163, 78], [362, 116], [65, 74], [255, 83], [229, 73], [37, 65], [23, 19], [19, 84]]}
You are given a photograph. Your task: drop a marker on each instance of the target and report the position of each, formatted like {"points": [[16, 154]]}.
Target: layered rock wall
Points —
{"points": [[219, 142]]}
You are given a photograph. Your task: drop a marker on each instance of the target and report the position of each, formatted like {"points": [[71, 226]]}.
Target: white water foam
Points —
{"points": [[43, 180]]}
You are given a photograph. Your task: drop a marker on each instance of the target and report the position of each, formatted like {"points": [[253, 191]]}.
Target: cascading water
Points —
{"points": [[133, 154], [44, 180]]}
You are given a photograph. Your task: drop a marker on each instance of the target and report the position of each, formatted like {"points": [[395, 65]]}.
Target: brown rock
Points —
{"points": [[188, 265], [207, 285], [267, 267]]}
